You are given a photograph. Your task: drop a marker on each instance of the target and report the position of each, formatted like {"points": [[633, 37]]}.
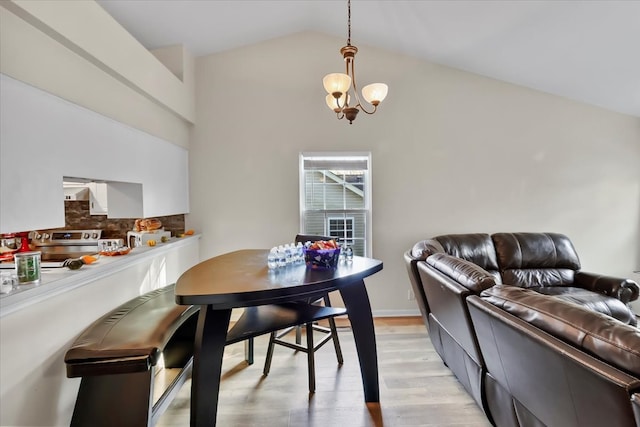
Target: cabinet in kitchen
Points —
{"points": [[98, 198]]}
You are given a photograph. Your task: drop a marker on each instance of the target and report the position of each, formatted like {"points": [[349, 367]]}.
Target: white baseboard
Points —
{"points": [[395, 313]]}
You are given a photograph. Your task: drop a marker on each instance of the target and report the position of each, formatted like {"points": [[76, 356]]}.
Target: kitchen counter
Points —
{"points": [[55, 281], [40, 322]]}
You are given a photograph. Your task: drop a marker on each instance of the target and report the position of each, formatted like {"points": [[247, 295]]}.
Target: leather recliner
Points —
{"points": [[446, 269]]}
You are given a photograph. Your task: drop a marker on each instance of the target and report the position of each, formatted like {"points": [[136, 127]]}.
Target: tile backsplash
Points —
{"points": [[77, 217]]}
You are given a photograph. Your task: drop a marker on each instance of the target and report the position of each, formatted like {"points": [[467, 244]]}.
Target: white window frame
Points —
{"points": [[334, 155], [341, 218]]}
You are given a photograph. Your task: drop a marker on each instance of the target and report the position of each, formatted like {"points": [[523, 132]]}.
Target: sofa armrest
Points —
{"points": [[422, 249], [416, 285], [623, 289], [447, 301], [465, 273]]}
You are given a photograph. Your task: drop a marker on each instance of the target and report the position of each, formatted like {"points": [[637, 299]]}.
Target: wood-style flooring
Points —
{"points": [[416, 389]]}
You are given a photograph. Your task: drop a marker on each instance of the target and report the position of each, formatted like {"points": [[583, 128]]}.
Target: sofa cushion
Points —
{"points": [[474, 247], [463, 272], [536, 259], [592, 301], [595, 333]]}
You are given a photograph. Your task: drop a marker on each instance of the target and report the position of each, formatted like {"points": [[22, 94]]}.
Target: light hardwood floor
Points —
{"points": [[416, 389]]}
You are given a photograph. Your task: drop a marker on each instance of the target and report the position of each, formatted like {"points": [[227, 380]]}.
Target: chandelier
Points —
{"points": [[339, 86]]}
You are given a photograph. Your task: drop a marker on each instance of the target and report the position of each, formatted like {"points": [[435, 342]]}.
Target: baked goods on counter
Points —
{"points": [[148, 224]]}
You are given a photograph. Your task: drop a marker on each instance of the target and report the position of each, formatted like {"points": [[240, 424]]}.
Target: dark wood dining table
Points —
{"points": [[242, 279]]}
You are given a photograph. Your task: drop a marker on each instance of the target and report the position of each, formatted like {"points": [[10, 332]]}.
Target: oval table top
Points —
{"points": [[242, 278]]}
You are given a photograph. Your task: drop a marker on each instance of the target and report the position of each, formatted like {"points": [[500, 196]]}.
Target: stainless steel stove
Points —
{"points": [[58, 245]]}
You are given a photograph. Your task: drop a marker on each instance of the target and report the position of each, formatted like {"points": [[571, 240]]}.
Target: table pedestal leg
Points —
{"points": [[356, 301], [211, 336]]}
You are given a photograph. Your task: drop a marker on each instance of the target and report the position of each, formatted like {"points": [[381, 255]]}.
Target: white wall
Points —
{"points": [[75, 61], [76, 51], [452, 152], [69, 140]]}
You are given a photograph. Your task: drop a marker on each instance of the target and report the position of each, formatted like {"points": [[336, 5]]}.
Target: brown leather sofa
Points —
{"points": [[447, 269], [553, 363]]}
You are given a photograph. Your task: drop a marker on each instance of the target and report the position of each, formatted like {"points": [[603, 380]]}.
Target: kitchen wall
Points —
{"points": [[77, 217], [452, 152], [38, 49]]}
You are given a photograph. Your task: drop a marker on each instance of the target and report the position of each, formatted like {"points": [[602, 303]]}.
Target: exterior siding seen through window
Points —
{"points": [[334, 198]]}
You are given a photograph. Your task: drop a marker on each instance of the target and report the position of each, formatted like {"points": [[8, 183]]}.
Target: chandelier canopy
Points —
{"points": [[339, 86]]}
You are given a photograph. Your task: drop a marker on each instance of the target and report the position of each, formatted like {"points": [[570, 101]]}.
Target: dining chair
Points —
{"points": [[330, 333]]}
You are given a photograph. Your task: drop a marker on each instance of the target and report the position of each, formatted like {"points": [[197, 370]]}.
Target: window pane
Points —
{"points": [[314, 223], [333, 224], [314, 198], [334, 190], [341, 228], [334, 194]]}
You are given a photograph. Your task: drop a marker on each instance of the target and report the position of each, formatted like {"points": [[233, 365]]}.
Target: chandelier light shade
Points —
{"points": [[336, 82], [340, 85], [331, 102], [375, 93]]}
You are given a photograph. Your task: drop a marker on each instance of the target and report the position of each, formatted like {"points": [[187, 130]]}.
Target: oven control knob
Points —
{"points": [[94, 235], [38, 236], [45, 236], [85, 235]]}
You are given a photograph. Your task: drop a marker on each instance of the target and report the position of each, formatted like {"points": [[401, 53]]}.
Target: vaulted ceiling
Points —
{"points": [[584, 50]]}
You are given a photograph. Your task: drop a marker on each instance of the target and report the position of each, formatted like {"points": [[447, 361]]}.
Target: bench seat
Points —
{"points": [[130, 338], [116, 356]]}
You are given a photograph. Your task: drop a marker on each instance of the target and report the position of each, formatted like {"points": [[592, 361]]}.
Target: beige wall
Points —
{"points": [[452, 152]]}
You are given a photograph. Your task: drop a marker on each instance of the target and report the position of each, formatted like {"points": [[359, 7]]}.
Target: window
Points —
{"points": [[341, 229], [335, 197]]}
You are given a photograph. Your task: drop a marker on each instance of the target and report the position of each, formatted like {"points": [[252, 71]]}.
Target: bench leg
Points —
{"points": [[114, 400]]}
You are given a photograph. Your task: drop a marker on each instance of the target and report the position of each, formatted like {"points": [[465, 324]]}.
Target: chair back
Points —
{"points": [[304, 238]]}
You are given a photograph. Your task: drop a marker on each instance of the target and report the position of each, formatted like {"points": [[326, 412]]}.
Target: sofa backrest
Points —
{"points": [[595, 333], [535, 259]]}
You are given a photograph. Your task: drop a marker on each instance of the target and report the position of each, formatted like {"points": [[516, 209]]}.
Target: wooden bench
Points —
{"points": [[118, 354]]}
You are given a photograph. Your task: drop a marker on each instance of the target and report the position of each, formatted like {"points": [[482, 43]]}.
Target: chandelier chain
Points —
{"points": [[348, 22]]}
